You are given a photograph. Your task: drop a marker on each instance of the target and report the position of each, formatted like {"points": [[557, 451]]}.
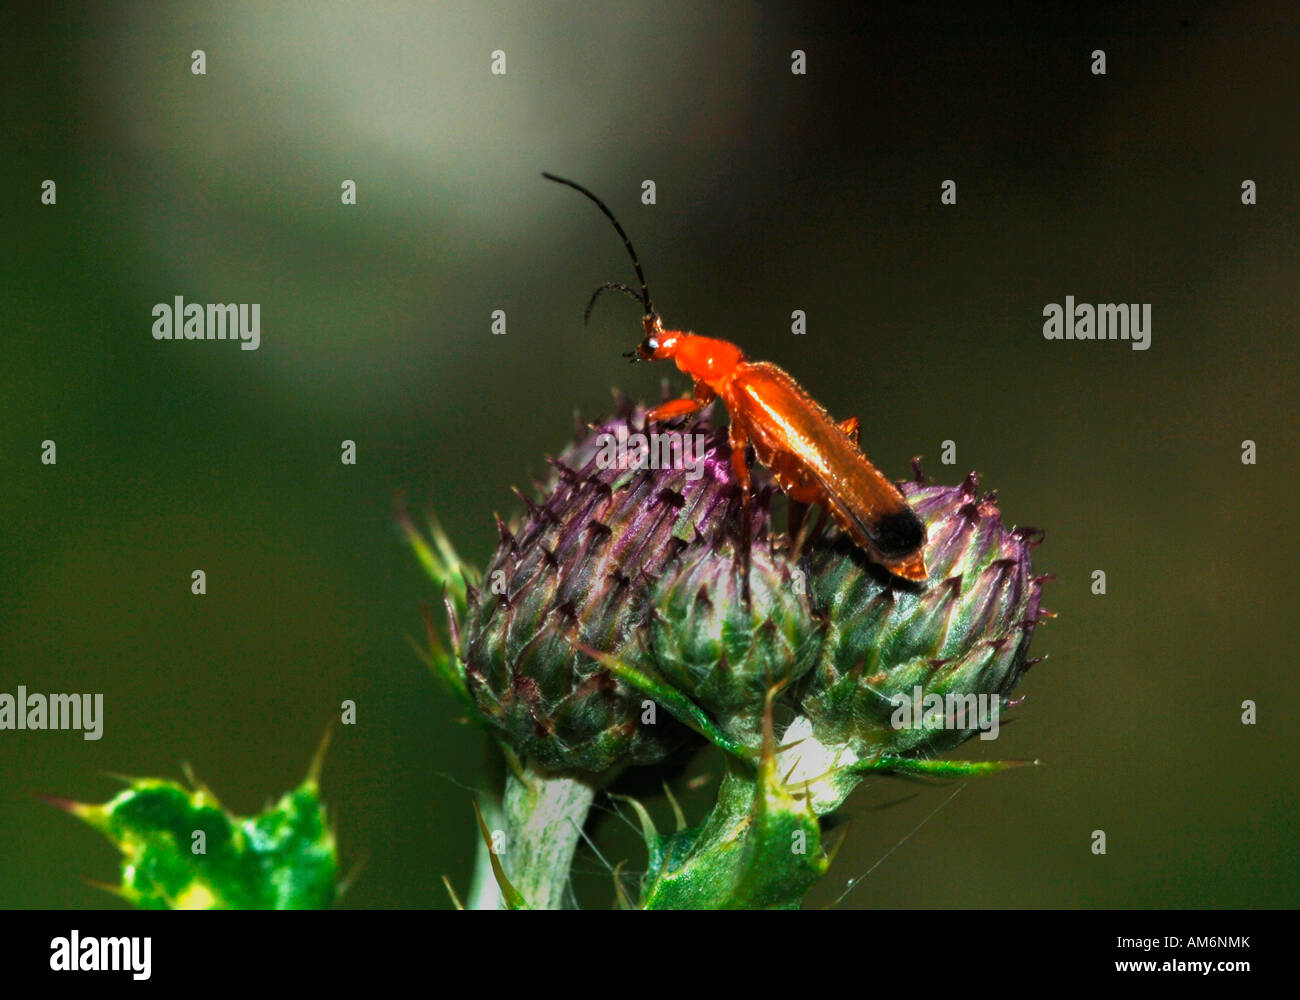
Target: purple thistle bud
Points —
{"points": [[961, 637], [635, 556], [579, 569]]}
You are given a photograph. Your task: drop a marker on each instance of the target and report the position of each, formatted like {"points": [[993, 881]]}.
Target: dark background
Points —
{"points": [[775, 192]]}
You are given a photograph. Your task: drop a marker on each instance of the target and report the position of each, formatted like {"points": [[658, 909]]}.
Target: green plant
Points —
{"points": [[181, 850], [609, 631]]}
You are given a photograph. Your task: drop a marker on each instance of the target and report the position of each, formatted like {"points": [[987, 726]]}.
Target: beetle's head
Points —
{"points": [[659, 344]]}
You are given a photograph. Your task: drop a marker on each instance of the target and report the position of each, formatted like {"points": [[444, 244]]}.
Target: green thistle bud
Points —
{"points": [[579, 570], [896, 651], [708, 643]]}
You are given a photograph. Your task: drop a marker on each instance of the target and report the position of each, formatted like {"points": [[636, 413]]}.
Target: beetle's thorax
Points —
{"points": [[704, 359]]}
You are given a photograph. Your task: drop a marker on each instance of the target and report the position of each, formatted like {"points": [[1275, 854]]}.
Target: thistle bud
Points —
{"points": [[726, 653], [918, 670], [618, 593], [578, 571]]}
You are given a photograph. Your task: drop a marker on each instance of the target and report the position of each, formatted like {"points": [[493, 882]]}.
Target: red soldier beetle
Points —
{"points": [[813, 458]]}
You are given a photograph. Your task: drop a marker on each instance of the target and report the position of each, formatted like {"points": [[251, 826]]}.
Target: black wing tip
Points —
{"points": [[898, 534]]}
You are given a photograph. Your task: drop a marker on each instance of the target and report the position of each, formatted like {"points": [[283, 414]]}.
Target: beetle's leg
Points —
{"points": [[673, 409], [685, 407], [849, 425], [795, 514], [739, 446], [801, 528], [794, 484]]}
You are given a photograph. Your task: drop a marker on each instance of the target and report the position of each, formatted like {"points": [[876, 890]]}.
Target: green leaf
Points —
{"points": [[182, 851]]}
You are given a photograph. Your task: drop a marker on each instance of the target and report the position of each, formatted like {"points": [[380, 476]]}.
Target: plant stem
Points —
{"points": [[543, 816]]}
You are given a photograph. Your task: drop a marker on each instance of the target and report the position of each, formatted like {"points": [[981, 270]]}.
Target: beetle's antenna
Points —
{"points": [[644, 297], [619, 286]]}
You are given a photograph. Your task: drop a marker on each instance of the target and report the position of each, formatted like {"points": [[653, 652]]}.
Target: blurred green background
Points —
{"points": [[775, 192]]}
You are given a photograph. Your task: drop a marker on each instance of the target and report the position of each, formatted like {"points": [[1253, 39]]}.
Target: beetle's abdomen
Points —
{"points": [[815, 461]]}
